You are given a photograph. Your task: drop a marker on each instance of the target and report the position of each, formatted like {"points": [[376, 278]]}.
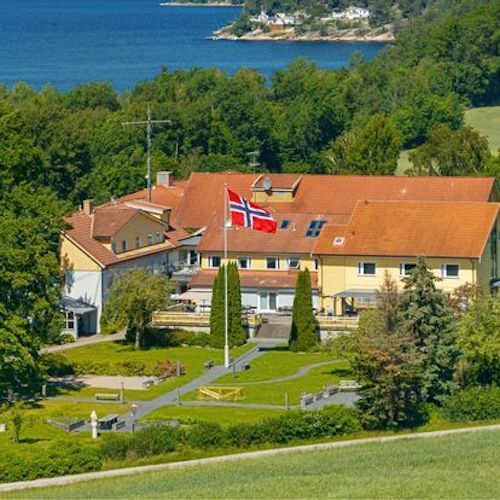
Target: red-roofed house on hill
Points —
{"points": [[346, 229]]}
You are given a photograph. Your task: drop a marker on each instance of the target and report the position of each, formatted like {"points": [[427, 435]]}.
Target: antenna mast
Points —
{"points": [[149, 129]]}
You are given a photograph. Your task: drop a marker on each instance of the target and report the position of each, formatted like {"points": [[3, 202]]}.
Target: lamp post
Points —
{"points": [[133, 411]]}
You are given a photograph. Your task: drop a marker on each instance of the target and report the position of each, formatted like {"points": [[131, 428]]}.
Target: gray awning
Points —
{"points": [[356, 293], [76, 306]]}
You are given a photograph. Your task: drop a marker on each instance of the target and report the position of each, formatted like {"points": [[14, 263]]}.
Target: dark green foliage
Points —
{"points": [[474, 403], [423, 314], [56, 365], [61, 458], [205, 435], [303, 332], [236, 334], [217, 311]]}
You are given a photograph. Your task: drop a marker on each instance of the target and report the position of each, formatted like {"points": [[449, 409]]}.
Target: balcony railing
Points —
{"points": [[183, 271]]}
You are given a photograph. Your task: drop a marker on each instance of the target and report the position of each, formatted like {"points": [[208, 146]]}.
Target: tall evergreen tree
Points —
{"points": [[422, 313], [303, 331], [236, 332], [217, 311]]}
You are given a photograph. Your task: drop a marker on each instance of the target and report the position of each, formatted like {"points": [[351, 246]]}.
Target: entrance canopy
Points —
{"points": [[356, 293], [76, 306], [196, 295]]}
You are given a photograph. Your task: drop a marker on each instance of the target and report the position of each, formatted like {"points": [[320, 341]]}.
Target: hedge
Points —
{"points": [[475, 403]]}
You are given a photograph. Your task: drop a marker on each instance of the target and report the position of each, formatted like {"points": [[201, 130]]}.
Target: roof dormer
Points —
{"points": [[275, 188]]}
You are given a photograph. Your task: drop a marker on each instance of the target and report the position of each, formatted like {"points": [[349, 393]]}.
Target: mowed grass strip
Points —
{"points": [[276, 363], [223, 415], [457, 466], [193, 359], [274, 393], [487, 122]]}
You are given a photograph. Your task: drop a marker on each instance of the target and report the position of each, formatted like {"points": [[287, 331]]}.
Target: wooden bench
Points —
{"points": [[348, 385], [107, 396]]}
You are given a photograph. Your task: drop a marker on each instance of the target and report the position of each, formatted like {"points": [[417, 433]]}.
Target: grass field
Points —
{"points": [[192, 358], [485, 120], [462, 466], [224, 415]]}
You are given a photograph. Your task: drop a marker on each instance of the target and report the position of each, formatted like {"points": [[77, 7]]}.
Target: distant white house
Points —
{"points": [[351, 14], [280, 19]]}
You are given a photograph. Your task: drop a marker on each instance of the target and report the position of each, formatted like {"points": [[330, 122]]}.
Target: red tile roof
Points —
{"points": [[291, 240], [410, 229], [108, 221], [254, 279]]}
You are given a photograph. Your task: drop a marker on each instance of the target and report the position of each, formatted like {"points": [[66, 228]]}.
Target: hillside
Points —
{"points": [[441, 467]]}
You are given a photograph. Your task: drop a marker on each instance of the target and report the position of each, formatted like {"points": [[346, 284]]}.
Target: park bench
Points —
{"points": [[348, 385], [108, 421], [208, 364], [107, 396], [149, 382], [118, 425], [306, 399]]}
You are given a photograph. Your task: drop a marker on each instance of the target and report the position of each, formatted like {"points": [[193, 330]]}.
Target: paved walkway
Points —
{"points": [[92, 476], [83, 341]]}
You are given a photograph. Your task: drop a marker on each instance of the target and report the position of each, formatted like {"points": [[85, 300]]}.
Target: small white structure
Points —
{"points": [[351, 14]]}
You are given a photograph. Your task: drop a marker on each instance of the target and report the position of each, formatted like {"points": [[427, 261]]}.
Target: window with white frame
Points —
{"points": [[272, 263], [159, 237], [405, 268], [150, 239], [124, 245], [137, 241], [450, 270], [244, 262], [70, 320], [113, 247], [214, 261], [293, 263], [367, 268]]}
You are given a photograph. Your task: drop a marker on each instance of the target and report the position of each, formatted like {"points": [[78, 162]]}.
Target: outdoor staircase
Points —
{"points": [[276, 328]]}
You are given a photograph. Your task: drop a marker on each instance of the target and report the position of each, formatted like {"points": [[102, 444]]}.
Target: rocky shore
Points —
{"points": [[198, 4], [290, 36]]}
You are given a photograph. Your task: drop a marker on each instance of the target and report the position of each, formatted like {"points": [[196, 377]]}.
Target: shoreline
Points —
{"points": [[287, 36]]}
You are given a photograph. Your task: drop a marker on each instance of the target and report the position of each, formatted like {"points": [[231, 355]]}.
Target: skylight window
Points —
{"points": [[314, 228], [284, 224], [338, 241]]}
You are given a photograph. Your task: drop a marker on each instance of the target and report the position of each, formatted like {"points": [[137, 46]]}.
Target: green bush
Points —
{"points": [[126, 368], [475, 403], [62, 457], [57, 365], [174, 338], [154, 440], [245, 435], [205, 435], [116, 445]]}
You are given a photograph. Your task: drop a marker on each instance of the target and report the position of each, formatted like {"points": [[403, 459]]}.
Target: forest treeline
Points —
{"points": [[356, 119]]}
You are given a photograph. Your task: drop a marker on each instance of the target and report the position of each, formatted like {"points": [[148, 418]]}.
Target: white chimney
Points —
{"points": [[164, 178], [88, 207]]}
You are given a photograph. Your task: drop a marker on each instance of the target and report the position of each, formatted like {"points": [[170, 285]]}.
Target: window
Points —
{"points": [[338, 241], [272, 263], [316, 264], [315, 228], [124, 245], [293, 263], [113, 247], [137, 241], [367, 268], [244, 262], [284, 224], [150, 239], [450, 270], [70, 320], [405, 268], [213, 261], [159, 237]]}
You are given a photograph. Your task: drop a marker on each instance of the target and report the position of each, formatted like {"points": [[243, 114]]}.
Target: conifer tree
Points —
{"points": [[422, 313], [217, 311], [236, 333], [303, 331]]}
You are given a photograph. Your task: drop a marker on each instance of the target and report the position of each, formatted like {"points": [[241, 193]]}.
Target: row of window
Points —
{"points": [[214, 261], [370, 269], [138, 242]]}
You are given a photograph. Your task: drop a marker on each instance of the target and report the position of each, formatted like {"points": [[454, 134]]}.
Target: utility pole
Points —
{"points": [[149, 128]]}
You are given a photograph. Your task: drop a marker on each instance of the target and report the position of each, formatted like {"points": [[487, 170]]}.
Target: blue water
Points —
{"points": [[69, 42]]}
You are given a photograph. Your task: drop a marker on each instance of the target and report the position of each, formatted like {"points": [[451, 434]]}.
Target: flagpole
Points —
{"points": [[226, 312]]}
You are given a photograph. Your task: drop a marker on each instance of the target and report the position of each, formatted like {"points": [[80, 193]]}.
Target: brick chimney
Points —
{"points": [[88, 207], [164, 178]]}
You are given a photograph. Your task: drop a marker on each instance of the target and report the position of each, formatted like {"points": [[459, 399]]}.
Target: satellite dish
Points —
{"points": [[266, 182]]}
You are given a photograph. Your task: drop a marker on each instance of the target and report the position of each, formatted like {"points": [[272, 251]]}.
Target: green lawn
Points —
{"points": [[487, 122], [223, 415], [462, 466], [274, 393], [192, 358], [279, 362]]}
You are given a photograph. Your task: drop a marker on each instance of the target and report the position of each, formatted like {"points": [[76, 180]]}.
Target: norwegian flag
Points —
{"points": [[244, 213]]}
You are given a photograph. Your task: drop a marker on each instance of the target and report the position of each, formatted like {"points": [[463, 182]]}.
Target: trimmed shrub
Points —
{"points": [[154, 440], [205, 435], [245, 435], [116, 445], [475, 403]]}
